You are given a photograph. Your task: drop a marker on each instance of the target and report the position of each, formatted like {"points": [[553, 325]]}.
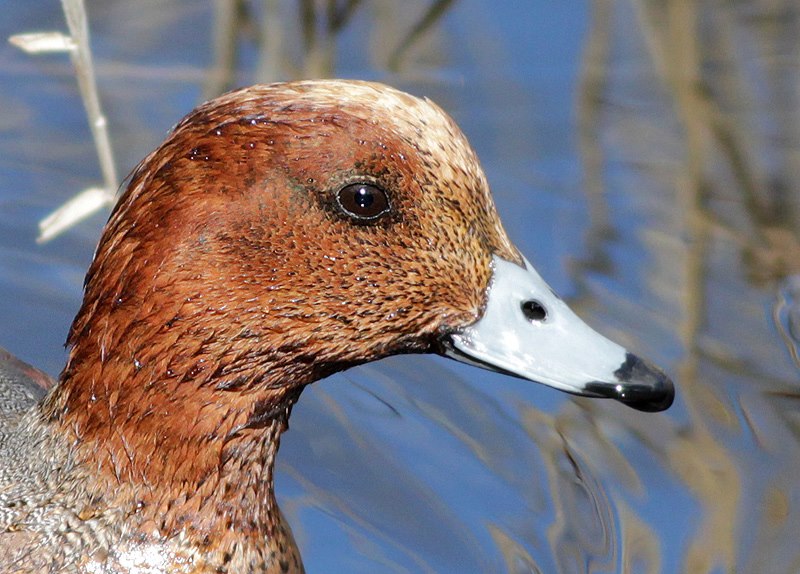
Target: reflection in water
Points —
{"points": [[720, 168], [688, 148], [300, 40], [583, 534], [786, 315]]}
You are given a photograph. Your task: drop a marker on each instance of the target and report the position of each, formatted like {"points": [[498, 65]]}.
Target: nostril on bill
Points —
{"points": [[534, 311]]}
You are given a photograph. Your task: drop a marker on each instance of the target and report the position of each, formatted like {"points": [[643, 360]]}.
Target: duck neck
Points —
{"points": [[187, 463]]}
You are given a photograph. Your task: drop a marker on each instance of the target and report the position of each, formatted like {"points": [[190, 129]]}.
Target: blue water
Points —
{"points": [[678, 245]]}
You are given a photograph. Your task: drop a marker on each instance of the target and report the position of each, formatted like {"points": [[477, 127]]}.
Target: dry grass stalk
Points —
{"points": [[77, 45]]}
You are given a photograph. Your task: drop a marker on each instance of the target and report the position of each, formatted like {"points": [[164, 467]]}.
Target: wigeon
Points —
{"points": [[281, 233]]}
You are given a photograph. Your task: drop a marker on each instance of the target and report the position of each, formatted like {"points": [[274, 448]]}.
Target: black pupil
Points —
{"points": [[363, 201], [364, 197]]}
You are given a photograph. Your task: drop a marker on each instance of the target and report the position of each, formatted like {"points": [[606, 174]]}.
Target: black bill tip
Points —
{"points": [[641, 386]]}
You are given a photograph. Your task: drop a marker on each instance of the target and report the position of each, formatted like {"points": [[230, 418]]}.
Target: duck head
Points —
{"points": [[285, 232], [279, 234]]}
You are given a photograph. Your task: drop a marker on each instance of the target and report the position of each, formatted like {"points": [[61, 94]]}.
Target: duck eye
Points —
{"points": [[363, 201]]}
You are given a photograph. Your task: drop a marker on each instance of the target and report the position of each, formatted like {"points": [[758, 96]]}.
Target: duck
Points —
{"points": [[281, 233]]}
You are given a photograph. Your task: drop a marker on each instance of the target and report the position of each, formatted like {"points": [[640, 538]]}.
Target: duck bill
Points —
{"points": [[527, 331]]}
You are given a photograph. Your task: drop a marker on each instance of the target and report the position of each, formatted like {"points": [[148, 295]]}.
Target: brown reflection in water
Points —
{"points": [[585, 467], [723, 78], [516, 557], [302, 44], [583, 531], [639, 542]]}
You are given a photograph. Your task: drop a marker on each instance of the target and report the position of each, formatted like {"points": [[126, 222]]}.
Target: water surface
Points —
{"points": [[644, 155]]}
